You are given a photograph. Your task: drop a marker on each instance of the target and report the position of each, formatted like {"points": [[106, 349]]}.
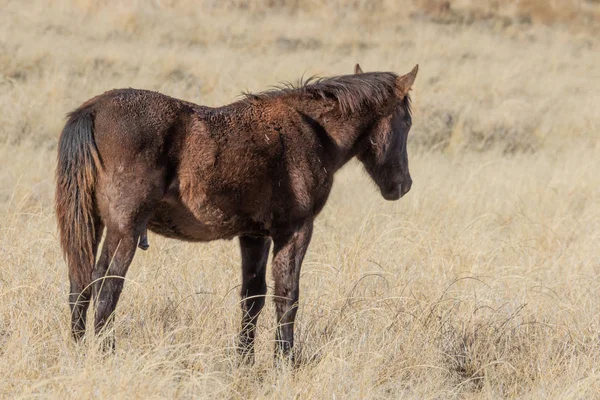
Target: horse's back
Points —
{"points": [[131, 114]]}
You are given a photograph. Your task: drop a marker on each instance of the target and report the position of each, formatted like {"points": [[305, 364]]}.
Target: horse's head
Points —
{"points": [[384, 153]]}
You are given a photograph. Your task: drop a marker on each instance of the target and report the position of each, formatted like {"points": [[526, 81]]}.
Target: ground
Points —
{"points": [[483, 282]]}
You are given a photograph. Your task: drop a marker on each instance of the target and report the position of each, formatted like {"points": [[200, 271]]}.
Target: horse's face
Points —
{"points": [[385, 156]]}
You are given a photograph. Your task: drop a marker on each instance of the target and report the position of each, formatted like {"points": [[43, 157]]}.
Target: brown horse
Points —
{"points": [[260, 169]]}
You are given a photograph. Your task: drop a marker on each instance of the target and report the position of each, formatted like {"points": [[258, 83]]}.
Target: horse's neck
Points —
{"points": [[338, 134]]}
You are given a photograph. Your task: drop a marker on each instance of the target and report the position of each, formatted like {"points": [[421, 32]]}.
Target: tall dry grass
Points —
{"points": [[481, 283]]}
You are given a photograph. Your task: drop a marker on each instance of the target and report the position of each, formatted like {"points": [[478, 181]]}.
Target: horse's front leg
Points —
{"points": [[289, 250], [255, 253]]}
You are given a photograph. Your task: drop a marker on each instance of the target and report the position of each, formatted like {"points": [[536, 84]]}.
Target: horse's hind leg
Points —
{"points": [[80, 292], [117, 253], [125, 216]]}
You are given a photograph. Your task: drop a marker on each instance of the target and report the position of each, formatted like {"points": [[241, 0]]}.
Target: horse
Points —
{"points": [[259, 169]]}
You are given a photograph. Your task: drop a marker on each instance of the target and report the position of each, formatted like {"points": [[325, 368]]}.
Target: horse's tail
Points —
{"points": [[78, 163]]}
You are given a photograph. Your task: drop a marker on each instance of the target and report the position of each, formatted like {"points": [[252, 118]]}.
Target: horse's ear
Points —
{"points": [[357, 69], [405, 82]]}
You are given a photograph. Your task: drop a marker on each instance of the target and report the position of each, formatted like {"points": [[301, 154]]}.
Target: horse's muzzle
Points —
{"points": [[398, 191]]}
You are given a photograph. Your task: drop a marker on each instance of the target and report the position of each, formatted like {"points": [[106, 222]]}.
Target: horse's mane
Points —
{"points": [[352, 92]]}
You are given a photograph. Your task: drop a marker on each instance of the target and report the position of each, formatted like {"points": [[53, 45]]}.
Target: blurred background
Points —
{"points": [[510, 73]]}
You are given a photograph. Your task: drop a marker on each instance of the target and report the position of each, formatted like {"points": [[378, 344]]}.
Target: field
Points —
{"points": [[483, 282]]}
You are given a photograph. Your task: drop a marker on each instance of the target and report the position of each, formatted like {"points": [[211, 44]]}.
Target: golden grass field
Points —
{"points": [[483, 282]]}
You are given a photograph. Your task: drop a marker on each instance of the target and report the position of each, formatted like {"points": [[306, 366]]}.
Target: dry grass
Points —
{"points": [[482, 283]]}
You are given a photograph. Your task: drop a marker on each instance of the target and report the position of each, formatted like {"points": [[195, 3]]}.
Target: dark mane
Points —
{"points": [[352, 92]]}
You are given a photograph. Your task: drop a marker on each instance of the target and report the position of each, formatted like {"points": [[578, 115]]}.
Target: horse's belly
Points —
{"points": [[175, 220]]}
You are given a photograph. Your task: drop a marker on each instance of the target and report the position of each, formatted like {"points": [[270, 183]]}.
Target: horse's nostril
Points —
{"points": [[405, 187]]}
